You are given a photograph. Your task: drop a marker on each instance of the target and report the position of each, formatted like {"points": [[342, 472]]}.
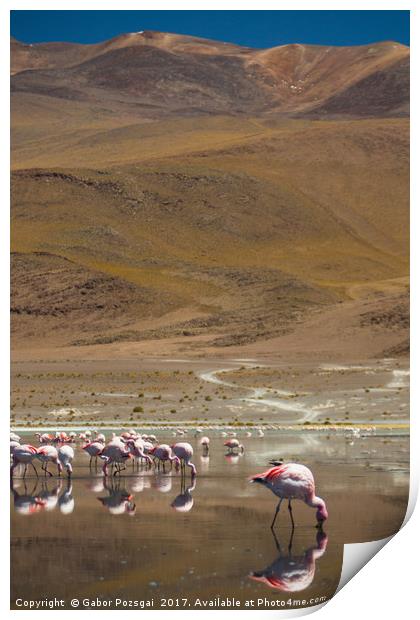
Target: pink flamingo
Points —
{"points": [[61, 438], [114, 453], [184, 452], [137, 450], [44, 438], [65, 456], [13, 445], [49, 454], [233, 444], [24, 454], [163, 453], [94, 449], [205, 442], [292, 481]]}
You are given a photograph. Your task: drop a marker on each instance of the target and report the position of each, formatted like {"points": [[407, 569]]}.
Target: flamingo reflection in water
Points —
{"points": [[119, 500], [26, 503], [232, 458], [205, 463], [42, 498], [142, 482], [289, 572], [163, 482], [184, 501], [66, 499]]}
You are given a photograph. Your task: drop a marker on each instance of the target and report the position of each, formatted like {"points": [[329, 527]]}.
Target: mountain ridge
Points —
{"points": [[213, 76]]}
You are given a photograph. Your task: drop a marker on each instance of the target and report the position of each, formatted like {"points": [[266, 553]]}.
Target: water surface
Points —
{"points": [[150, 536]]}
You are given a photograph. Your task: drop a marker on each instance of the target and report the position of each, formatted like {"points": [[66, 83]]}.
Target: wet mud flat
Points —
{"points": [[150, 536]]}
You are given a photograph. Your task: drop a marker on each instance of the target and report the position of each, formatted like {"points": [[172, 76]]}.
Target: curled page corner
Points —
{"points": [[356, 555]]}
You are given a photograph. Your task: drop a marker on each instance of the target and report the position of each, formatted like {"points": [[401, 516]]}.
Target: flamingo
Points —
{"points": [[13, 445], [163, 453], [114, 453], [137, 449], [100, 437], [147, 447], [61, 438], [151, 438], [260, 433], [205, 442], [44, 437], [292, 481], [49, 454], [94, 449], [65, 456], [233, 444], [117, 440], [24, 454], [184, 452], [14, 437]]}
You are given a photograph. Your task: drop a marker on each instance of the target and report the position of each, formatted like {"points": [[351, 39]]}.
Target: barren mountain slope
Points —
{"points": [[219, 228]]}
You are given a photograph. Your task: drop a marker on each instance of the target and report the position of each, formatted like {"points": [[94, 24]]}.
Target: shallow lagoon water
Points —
{"points": [[149, 536]]}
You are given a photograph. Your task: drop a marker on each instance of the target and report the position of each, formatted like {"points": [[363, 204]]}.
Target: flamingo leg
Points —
{"points": [[90, 463], [35, 470], [289, 548], [24, 471], [276, 513], [291, 514], [276, 541]]}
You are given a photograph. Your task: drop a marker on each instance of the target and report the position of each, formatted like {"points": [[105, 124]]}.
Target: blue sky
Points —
{"points": [[252, 28]]}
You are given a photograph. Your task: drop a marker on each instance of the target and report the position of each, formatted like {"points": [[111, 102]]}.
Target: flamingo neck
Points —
{"points": [[320, 505]]}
